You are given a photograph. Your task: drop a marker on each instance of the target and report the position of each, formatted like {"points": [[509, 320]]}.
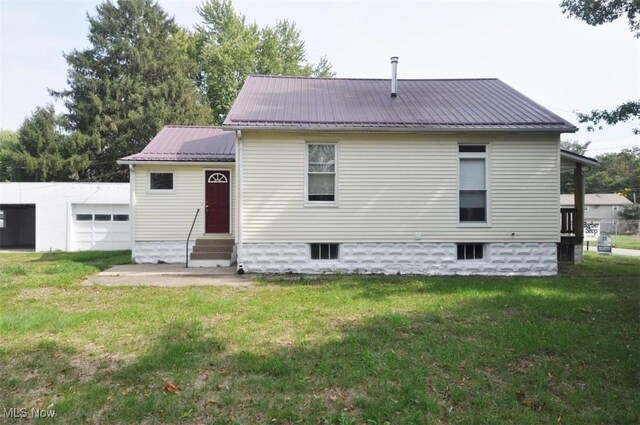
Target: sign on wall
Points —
{"points": [[591, 231]]}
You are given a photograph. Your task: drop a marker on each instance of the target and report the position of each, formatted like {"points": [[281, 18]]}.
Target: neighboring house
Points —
{"points": [[341, 175], [65, 216], [599, 206]]}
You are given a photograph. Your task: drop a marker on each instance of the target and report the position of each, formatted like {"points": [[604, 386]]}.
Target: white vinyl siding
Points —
{"points": [[399, 189], [167, 215]]}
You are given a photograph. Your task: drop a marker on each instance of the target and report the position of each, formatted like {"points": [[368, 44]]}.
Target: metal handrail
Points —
{"points": [[189, 237]]}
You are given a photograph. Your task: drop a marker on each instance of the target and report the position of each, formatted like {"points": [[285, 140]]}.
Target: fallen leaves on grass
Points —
{"points": [[171, 388]]}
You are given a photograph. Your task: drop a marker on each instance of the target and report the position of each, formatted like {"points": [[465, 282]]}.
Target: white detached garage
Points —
{"points": [[65, 216]]}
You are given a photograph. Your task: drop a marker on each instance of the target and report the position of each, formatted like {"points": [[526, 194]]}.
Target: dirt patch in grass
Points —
{"points": [[337, 399], [522, 365], [513, 310], [36, 294]]}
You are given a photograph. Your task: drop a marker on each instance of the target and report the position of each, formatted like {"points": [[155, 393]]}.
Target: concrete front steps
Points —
{"points": [[212, 253]]}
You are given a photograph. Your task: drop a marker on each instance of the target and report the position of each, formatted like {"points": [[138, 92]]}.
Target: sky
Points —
{"points": [[563, 64]]}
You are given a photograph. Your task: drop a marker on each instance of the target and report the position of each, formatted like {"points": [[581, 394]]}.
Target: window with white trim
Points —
{"points": [[615, 207], [472, 183], [324, 251], [161, 181], [470, 251], [321, 172]]}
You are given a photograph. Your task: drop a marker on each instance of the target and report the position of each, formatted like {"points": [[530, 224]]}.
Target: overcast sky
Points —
{"points": [[562, 63]]}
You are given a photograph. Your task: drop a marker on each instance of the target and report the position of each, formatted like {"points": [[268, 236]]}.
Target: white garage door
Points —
{"points": [[100, 227]]}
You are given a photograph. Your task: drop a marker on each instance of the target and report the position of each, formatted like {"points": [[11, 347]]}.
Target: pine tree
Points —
{"points": [[134, 79], [43, 152], [8, 143]]}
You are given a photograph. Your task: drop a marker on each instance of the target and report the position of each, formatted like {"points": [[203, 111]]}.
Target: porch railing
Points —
{"points": [[186, 254], [567, 220]]}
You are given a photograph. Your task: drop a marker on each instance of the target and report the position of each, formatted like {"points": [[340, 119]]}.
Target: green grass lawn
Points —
{"points": [[626, 241], [362, 350]]}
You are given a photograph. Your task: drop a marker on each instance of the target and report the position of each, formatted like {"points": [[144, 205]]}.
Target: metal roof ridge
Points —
{"points": [[192, 126], [302, 77]]}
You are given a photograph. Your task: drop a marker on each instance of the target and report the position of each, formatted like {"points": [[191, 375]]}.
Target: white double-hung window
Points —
{"points": [[321, 172], [472, 184]]}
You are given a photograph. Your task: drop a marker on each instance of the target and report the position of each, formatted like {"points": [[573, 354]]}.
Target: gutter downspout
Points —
{"points": [[132, 209], [239, 192]]}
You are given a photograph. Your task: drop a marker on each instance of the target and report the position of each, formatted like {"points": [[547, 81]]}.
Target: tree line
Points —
{"points": [[143, 71], [618, 172]]}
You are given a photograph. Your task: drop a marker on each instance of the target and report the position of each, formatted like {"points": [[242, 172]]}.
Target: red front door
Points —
{"points": [[216, 209]]}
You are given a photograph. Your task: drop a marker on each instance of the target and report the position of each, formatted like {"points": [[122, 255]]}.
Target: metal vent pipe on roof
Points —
{"points": [[394, 76]]}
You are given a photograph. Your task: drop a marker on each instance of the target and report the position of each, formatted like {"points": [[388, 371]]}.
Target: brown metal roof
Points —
{"points": [[189, 143], [292, 103]]}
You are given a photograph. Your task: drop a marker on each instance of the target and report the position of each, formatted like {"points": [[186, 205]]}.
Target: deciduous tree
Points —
{"points": [[618, 173], [566, 179], [228, 49], [598, 12], [575, 146]]}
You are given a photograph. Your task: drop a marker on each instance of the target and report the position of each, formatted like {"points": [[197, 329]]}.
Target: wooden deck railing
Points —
{"points": [[567, 220]]}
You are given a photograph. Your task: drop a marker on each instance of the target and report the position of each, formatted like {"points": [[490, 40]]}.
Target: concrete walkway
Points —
{"points": [[168, 275], [618, 251]]}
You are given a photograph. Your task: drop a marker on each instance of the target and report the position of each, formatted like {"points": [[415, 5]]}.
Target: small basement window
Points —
{"points": [[324, 251], [470, 251], [161, 181], [121, 217], [84, 217]]}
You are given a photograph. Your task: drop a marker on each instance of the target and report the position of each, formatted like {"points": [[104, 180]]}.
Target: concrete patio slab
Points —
{"points": [[168, 275]]}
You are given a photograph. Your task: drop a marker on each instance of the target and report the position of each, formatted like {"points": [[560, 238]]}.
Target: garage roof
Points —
{"points": [[305, 103], [188, 143]]}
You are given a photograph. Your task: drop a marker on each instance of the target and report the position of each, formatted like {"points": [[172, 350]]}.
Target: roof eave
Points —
{"points": [[372, 129], [579, 159], [125, 161]]}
